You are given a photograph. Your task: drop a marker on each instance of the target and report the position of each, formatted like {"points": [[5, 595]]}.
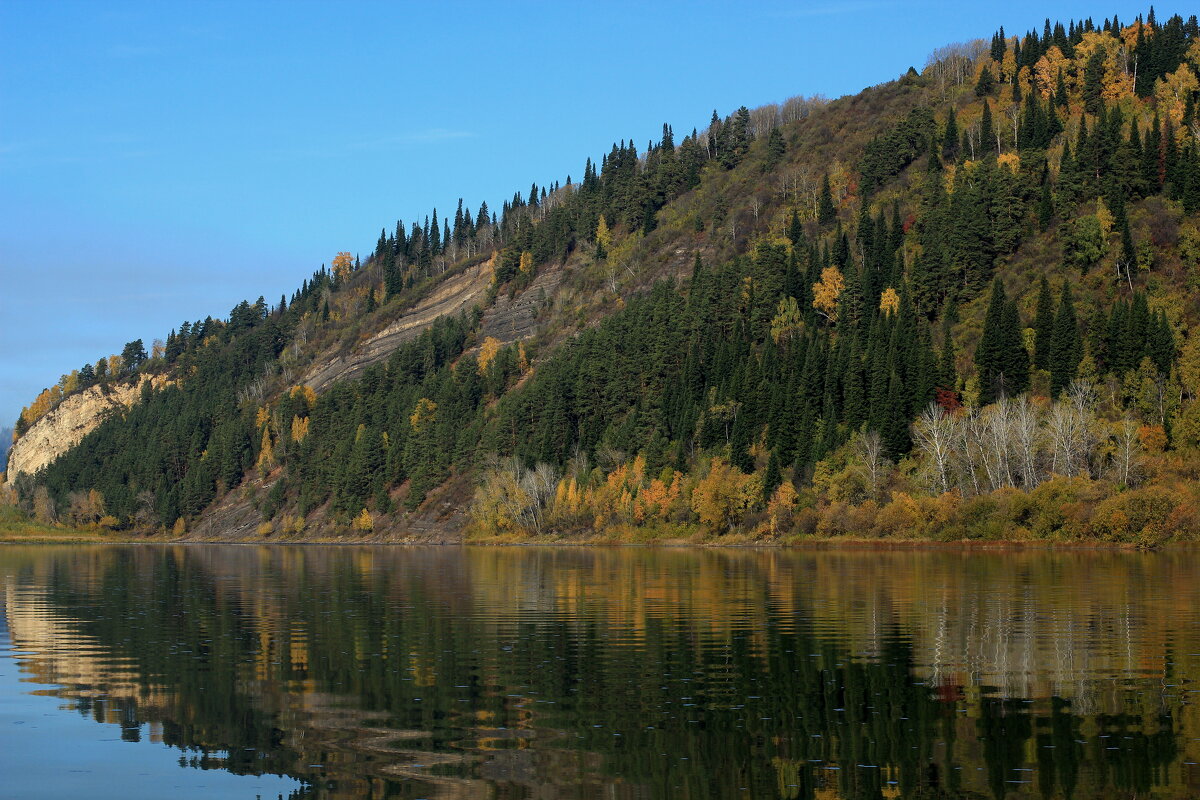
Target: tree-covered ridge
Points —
{"points": [[1021, 222]]}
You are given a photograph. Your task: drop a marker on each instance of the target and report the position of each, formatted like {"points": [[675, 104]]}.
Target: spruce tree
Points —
{"points": [[947, 374], [1043, 326], [1066, 349], [1045, 206], [1093, 74], [986, 82], [987, 351], [1000, 357], [826, 213], [1016, 357], [772, 478], [950, 138], [987, 130]]}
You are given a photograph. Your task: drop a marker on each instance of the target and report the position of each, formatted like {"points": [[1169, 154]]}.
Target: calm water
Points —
{"points": [[355, 672]]}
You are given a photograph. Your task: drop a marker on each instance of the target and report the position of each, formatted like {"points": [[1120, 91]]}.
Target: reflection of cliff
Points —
{"points": [[516, 671], [321, 737], [52, 652]]}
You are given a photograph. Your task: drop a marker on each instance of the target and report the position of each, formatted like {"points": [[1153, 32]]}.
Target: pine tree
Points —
{"points": [[776, 148]]}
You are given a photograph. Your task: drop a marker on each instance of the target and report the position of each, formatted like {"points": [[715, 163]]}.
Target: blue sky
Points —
{"points": [[163, 161]]}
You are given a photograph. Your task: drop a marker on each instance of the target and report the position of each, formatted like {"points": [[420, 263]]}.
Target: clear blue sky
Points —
{"points": [[163, 161]]}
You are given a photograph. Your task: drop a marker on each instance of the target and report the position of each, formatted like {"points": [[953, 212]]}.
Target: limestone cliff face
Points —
{"points": [[66, 425]]}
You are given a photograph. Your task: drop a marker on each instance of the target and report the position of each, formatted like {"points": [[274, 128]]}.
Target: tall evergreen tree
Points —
{"points": [[1043, 326], [1066, 349], [987, 130], [986, 83], [1001, 360], [826, 212], [950, 138]]}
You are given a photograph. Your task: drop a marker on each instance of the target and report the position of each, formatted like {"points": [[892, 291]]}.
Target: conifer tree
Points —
{"points": [[1000, 357], [826, 212], [1066, 348], [1043, 326], [1093, 74], [987, 130], [1045, 207], [986, 82], [950, 138], [1016, 357]]}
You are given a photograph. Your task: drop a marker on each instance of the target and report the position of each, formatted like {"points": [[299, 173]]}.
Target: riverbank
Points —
{"points": [[17, 528]]}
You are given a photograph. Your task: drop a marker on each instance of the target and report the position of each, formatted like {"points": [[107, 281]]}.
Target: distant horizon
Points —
{"points": [[168, 165]]}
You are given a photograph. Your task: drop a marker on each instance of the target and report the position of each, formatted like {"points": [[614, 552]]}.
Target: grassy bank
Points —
{"points": [[17, 527]]}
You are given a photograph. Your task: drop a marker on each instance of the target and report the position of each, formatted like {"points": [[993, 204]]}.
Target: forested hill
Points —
{"points": [[962, 303]]}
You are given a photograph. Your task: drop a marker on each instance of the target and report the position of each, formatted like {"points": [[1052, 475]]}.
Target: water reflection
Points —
{"points": [[629, 673]]}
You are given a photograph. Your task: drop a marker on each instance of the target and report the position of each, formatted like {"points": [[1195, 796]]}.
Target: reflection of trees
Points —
{"points": [[632, 673]]}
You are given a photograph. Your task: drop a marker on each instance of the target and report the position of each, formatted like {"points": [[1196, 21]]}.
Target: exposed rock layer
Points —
{"points": [[454, 296], [65, 426]]}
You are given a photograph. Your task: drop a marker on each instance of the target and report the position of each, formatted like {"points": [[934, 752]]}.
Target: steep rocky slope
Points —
{"points": [[65, 426], [455, 295]]}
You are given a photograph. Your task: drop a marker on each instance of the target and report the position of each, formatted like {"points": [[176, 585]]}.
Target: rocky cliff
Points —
{"points": [[66, 425], [455, 295]]}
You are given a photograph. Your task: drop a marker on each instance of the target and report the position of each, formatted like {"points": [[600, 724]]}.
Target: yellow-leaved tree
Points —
{"points": [[299, 428], [889, 302], [827, 291], [780, 507], [603, 237], [488, 349], [1172, 91], [1046, 70], [787, 322], [364, 522], [723, 494], [423, 414], [266, 453], [343, 264]]}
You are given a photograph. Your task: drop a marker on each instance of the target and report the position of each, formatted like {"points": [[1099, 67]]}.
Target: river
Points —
{"points": [[131, 671]]}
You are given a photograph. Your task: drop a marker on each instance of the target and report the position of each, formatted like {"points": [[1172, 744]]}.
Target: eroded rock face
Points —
{"points": [[516, 318], [453, 296], [66, 425]]}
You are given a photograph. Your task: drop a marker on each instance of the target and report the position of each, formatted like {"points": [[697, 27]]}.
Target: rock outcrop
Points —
{"points": [[453, 296], [515, 318], [65, 426]]}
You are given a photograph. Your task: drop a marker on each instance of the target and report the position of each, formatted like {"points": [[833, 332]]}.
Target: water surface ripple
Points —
{"points": [[410, 672]]}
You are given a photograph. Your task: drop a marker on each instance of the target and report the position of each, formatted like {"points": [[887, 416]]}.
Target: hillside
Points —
{"points": [[960, 304]]}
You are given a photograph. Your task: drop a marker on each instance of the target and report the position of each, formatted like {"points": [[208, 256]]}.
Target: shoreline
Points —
{"points": [[64, 536]]}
